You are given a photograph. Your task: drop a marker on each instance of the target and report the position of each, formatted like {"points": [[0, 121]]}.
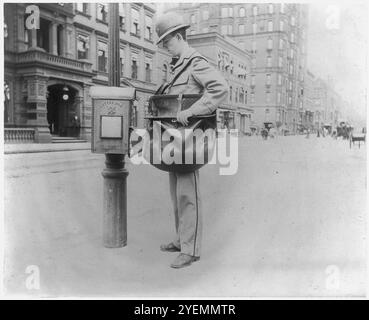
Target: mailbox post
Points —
{"points": [[111, 108], [110, 135]]}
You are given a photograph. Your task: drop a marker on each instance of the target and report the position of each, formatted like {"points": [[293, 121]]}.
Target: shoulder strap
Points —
{"points": [[165, 86]]}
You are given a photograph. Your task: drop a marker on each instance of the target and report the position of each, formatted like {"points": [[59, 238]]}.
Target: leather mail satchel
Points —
{"points": [[186, 148]]}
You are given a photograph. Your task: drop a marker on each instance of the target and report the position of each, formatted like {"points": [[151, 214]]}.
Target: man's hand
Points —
{"points": [[183, 116]]}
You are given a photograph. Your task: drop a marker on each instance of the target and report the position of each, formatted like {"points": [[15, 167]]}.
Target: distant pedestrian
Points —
{"points": [[307, 134]]}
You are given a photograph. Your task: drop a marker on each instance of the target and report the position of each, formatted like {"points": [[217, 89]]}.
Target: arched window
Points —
{"points": [[242, 12], [6, 102], [241, 92]]}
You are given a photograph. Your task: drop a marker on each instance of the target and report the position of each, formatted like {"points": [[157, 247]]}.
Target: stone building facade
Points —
{"points": [[323, 105], [49, 70]]}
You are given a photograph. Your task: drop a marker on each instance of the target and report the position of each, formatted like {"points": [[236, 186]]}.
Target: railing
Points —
{"points": [[35, 55], [19, 135]]}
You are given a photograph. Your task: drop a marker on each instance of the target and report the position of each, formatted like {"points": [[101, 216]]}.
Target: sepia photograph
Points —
{"points": [[184, 150]]}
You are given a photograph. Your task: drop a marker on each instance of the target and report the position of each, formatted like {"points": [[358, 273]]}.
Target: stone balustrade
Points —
{"points": [[19, 135], [41, 56]]}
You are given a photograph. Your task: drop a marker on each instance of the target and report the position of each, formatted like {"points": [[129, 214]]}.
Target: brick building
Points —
{"points": [[235, 65], [275, 34]]}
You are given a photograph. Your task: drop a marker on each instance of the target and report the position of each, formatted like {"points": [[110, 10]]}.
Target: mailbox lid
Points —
{"points": [[112, 93]]}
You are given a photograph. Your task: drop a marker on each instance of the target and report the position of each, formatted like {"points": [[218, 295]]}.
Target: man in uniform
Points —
{"points": [[193, 75]]}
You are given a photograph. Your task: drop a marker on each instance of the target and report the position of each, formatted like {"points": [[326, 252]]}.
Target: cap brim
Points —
{"points": [[186, 26]]}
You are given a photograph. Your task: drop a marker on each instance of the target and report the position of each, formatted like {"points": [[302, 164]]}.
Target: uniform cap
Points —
{"points": [[168, 23]]}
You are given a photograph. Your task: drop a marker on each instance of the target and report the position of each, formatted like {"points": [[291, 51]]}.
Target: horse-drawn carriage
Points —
{"points": [[357, 137], [265, 130]]}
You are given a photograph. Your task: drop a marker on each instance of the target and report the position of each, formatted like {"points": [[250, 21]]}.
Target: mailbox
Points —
{"points": [[111, 109]]}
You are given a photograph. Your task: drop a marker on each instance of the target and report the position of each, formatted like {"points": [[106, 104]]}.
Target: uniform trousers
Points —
{"points": [[185, 195]]}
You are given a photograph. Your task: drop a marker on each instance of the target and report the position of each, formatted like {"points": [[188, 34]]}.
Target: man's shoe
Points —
{"points": [[183, 260], [170, 247]]}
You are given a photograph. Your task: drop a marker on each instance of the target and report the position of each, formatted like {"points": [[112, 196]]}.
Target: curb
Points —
{"points": [[20, 151]]}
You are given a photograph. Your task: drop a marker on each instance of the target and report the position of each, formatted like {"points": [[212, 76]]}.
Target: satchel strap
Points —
{"points": [[167, 85]]}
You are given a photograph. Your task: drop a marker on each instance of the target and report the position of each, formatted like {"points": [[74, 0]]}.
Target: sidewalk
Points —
{"points": [[45, 147]]}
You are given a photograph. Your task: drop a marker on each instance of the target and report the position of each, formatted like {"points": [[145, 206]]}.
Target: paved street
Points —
{"points": [[290, 221]]}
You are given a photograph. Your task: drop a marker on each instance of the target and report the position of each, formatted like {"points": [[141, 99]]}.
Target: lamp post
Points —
{"points": [[115, 175]]}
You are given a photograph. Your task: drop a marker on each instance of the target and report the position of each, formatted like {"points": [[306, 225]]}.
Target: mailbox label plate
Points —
{"points": [[111, 127]]}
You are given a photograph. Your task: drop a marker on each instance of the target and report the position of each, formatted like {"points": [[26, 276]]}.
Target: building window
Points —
{"points": [[82, 7], [134, 66], [230, 93], [278, 97], [291, 53], [254, 28], [268, 79], [270, 44], [279, 79], [224, 29], [6, 102], [253, 46], [193, 19], [230, 12], [267, 100], [230, 29], [148, 28], [27, 33], [205, 15], [135, 24], [241, 29], [82, 46], [122, 16], [242, 12], [291, 69], [269, 61], [270, 26], [280, 62], [293, 21], [148, 68], [252, 97], [121, 59], [281, 44], [224, 13], [283, 7], [270, 8], [102, 12], [255, 10], [242, 95], [281, 25], [102, 52], [165, 73]]}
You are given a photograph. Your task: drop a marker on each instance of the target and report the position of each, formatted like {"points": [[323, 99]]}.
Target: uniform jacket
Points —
{"points": [[198, 78]]}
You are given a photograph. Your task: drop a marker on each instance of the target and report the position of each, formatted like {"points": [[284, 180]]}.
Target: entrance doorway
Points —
{"points": [[62, 111]]}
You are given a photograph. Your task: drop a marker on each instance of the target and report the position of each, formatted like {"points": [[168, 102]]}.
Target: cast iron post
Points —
{"points": [[115, 175]]}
